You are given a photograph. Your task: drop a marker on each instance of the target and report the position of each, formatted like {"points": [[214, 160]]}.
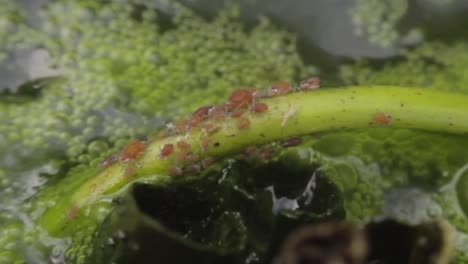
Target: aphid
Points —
{"points": [[310, 84], [193, 157], [279, 88], [204, 142], [199, 115], [259, 107], [218, 112], [132, 151], [183, 145], [207, 162], [382, 119], [241, 97], [202, 112], [243, 123], [181, 156], [73, 212], [193, 122], [291, 142], [250, 152], [194, 168], [291, 111], [266, 153], [109, 160], [211, 129], [130, 171], [163, 133], [175, 171], [238, 112], [180, 126], [166, 150]]}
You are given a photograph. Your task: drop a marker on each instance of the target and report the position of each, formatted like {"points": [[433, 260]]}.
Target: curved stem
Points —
{"points": [[292, 115]]}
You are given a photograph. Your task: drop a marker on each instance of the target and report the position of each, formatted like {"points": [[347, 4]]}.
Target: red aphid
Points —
{"points": [[199, 115], [130, 171], [279, 88], [175, 171], [194, 168], [166, 151], [219, 112], [310, 84], [211, 129], [73, 212], [382, 119], [243, 123], [109, 160], [193, 157], [132, 151], [183, 145], [259, 107], [266, 153], [202, 112], [181, 156], [250, 152], [205, 140], [241, 97], [163, 133], [193, 122], [237, 112], [207, 162], [291, 142], [180, 126]]}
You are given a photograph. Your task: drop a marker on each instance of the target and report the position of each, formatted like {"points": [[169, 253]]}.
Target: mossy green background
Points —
{"points": [[125, 70]]}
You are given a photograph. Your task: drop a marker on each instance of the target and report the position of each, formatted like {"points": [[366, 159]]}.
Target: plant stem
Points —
{"points": [[288, 116]]}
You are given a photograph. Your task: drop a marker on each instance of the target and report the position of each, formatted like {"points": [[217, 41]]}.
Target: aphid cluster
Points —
{"points": [[206, 118], [127, 157]]}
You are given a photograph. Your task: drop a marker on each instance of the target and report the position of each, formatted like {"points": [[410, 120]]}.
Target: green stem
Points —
{"points": [[309, 112]]}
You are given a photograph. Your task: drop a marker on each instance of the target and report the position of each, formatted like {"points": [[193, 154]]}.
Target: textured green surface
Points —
{"points": [[126, 69]]}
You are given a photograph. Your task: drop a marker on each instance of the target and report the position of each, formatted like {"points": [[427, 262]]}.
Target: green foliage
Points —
{"points": [[433, 65], [124, 74], [125, 70], [378, 19]]}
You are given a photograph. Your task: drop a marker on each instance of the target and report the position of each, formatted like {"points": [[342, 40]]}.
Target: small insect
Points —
{"points": [[291, 142], [207, 162], [199, 115], [250, 152], [132, 151], [259, 107], [310, 84], [162, 134], [237, 112], [73, 212], [279, 88], [181, 156], [266, 153], [109, 160], [183, 145], [204, 142], [382, 119], [291, 111], [194, 168], [202, 112], [130, 171], [218, 112], [166, 151], [175, 171], [180, 126], [241, 97], [193, 157], [243, 123]]}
